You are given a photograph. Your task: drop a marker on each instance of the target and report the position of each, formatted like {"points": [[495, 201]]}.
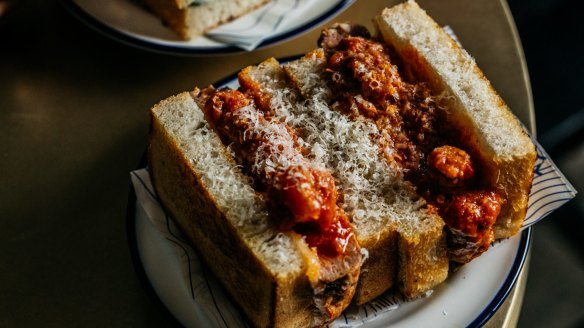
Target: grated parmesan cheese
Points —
{"points": [[231, 190], [373, 193]]}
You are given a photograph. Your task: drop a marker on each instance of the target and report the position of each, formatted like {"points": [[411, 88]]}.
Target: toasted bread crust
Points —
{"points": [[475, 109], [172, 14], [403, 258], [184, 196], [190, 21], [423, 261], [380, 269], [268, 298]]}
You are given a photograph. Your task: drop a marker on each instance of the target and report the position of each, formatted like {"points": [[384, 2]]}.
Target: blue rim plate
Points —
{"points": [[470, 297], [128, 23], [137, 223]]}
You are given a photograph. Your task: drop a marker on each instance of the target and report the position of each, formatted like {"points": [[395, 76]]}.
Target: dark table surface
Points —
{"points": [[552, 34], [74, 123]]}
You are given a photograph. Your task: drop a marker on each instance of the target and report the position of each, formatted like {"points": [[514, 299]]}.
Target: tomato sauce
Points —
{"points": [[304, 199], [414, 133]]}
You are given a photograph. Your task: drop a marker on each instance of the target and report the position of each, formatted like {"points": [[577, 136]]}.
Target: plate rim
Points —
{"points": [[113, 33]]}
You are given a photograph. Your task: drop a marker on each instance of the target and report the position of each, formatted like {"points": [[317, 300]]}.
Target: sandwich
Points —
{"points": [[193, 18], [372, 163]]}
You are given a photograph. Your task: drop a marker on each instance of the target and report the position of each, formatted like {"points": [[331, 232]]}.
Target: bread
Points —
{"points": [[474, 106], [203, 189], [419, 164], [192, 18], [402, 237]]}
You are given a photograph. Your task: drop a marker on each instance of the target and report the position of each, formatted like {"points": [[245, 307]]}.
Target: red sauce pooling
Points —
{"points": [[329, 242], [473, 213]]}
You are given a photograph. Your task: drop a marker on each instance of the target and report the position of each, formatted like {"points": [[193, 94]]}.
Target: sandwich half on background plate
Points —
{"points": [[192, 18]]}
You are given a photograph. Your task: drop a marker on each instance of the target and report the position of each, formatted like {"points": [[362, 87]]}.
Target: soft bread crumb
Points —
{"points": [[374, 194], [409, 23], [487, 125], [222, 178]]}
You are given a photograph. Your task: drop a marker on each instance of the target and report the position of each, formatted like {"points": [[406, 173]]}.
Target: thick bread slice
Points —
{"points": [[202, 188], [474, 107], [190, 20], [422, 260], [373, 194]]}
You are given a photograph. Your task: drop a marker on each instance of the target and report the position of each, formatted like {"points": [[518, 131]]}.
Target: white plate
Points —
{"points": [[183, 288], [172, 272], [129, 23]]}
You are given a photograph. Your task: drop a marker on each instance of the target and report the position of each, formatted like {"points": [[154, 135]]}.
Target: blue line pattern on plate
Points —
{"points": [[549, 190], [204, 288]]}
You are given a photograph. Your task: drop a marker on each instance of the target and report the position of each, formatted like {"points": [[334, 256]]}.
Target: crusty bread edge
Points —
{"points": [[266, 300], [510, 175], [414, 263]]}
